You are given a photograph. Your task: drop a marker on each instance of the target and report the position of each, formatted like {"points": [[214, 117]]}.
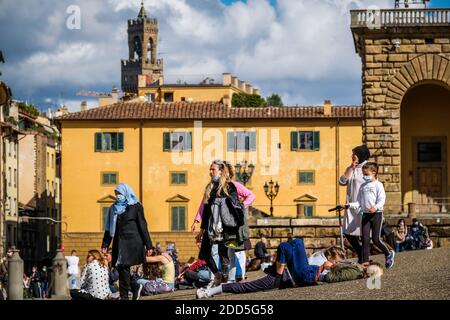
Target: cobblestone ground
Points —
{"points": [[421, 275]]}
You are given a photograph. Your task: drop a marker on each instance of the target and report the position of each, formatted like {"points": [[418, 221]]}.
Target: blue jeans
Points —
{"points": [[73, 281]]}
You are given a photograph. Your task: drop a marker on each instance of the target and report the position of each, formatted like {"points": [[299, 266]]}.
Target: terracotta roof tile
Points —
{"points": [[205, 110]]}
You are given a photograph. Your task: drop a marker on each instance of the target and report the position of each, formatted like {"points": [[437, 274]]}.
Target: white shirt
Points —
{"points": [[352, 220], [95, 280], [72, 262], [318, 259], [371, 195]]}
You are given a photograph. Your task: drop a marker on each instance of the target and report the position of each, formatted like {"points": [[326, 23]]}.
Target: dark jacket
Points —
{"points": [[260, 250], [131, 238]]}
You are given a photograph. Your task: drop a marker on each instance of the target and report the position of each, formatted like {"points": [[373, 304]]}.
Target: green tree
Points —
{"points": [[245, 100], [274, 101]]}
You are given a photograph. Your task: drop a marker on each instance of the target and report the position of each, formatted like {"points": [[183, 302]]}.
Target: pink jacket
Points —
{"points": [[242, 191]]}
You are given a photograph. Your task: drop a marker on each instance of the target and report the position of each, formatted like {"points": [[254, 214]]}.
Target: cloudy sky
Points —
{"points": [[301, 49]]}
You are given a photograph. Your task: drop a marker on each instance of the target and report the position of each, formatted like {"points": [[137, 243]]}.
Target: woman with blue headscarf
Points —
{"points": [[127, 229]]}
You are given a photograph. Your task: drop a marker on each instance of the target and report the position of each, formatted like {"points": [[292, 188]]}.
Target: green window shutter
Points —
{"points": [[98, 142], [105, 179], [188, 141], [316, 140], [230, 141], [113, 178], [105, 215], [294, 140], [174, 218], [119, 137], [252, 141], [166, 141], [182, 178]]}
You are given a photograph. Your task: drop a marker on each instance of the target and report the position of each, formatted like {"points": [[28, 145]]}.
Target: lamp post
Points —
{"points": [[271, 192], [243, 172]]}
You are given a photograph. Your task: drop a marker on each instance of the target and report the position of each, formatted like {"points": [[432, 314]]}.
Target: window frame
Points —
{"points": [[299, 183], [103, 206], [118, 140], [252, 141], [168, 138], [312, 206], [109, 184], [176, 205], [316, 139], [178, 172]]}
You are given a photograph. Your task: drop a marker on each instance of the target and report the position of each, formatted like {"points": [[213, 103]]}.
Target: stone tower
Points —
{"points": [[405, 57], [142, 57]]}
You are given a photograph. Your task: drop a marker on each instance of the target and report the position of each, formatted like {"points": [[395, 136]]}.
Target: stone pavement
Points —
{"points": [[421, 275]]}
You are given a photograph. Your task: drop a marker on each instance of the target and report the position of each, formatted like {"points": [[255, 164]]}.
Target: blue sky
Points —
{"points": [[300, 49]]}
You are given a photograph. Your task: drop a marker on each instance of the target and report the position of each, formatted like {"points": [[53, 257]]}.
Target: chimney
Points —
{"points": [[226, 101], [235, 82], [115, 94], [83, 106], [244, 86], [227, 79], [327, 108], [256, 91]]}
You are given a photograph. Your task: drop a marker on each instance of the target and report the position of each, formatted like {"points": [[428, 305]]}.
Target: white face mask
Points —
{"points": [[367, 178], [216, 178]]}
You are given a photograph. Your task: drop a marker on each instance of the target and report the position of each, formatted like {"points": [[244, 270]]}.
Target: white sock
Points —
{"points": [[215, 290]]}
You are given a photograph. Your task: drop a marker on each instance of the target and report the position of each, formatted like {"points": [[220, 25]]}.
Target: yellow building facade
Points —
{"points": [[163, 151]]}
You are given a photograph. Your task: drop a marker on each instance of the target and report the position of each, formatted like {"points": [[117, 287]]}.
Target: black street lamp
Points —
{"points": [[243, 172], [271, 192]]}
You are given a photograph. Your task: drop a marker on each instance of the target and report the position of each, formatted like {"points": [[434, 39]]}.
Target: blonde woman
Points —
{"points": [[221, 218], [94, 279]]}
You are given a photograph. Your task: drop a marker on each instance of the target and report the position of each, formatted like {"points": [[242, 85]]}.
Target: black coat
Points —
{"points": [[131, 237]]}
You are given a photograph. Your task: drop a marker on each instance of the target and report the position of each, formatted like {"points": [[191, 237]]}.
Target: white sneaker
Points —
{"points": [[138, 295], [202, 293]]}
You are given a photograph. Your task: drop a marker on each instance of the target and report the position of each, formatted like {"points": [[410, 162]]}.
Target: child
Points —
{"points": [[371, 198]]}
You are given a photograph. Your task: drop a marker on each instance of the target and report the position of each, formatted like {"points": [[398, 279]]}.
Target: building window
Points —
{"points": [[178, 215], [109, 178], [241, 141], [305, 140], [177, 141], [105, 214], [109, 141], [15, 206], [305, 177], [178, 178], [15, 178], [15, 149], [183, 99], [48, 159], [150, 97], [10, 147], [53, 160], [10, 176], [429, 152], [308, 210], [48, 187], [168, 96]]}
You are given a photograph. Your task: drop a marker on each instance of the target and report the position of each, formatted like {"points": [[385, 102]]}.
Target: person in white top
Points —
{"points": [[370, 205], [94, 279], [73, 270], [353, 179]]}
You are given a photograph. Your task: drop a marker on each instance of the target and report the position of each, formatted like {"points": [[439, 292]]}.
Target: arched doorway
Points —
{"points": [[425, 150]]}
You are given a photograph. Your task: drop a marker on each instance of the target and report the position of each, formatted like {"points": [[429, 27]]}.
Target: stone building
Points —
{"points": [[405, 57], [142, 58]]}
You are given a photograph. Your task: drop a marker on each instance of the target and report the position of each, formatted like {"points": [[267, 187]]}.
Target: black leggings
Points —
{"points": [[372, 222], [206, 254], [354, 242]]}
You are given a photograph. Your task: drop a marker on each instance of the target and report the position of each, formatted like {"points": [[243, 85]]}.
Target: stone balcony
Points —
{"points": [[382, 18]]}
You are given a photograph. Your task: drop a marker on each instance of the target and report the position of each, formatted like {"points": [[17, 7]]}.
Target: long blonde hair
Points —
{"points": [[225, 178]]}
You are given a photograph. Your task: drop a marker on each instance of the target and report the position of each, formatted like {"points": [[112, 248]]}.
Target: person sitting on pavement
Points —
{"points": [[400, 233], [291, 269], [157, 275], [94, 279], [195, 275], [113, 276], [418, 237], [173, 252], [261, 255]]}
